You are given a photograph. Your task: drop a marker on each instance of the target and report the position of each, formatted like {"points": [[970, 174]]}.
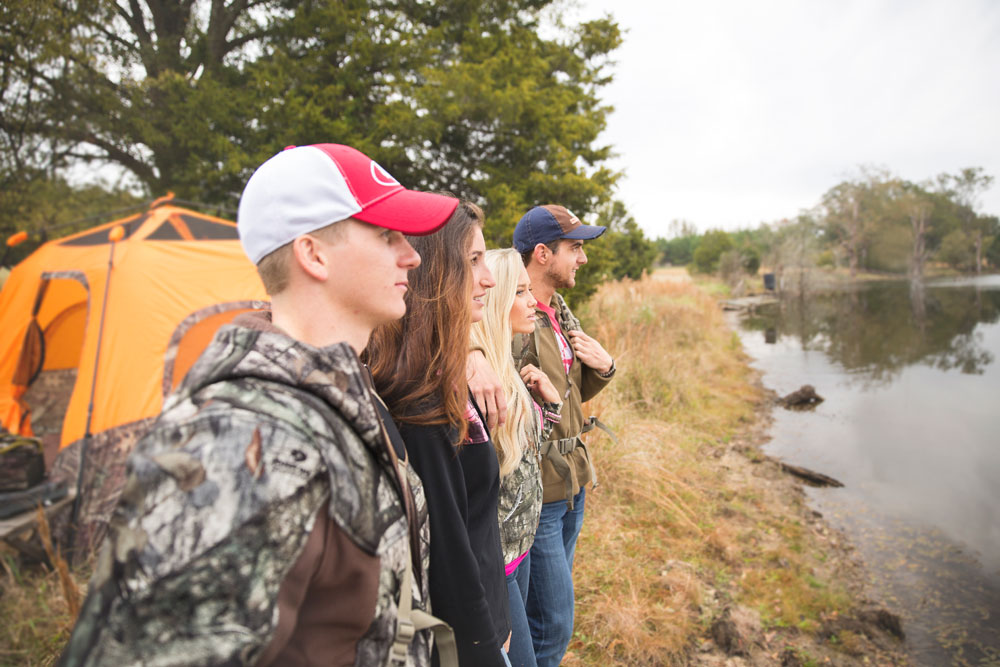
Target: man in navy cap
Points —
{"points": [[550, 239]]}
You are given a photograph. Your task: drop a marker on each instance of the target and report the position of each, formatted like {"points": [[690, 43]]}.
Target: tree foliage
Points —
{"points": [[496, 102], [880, 222], [872, 221], [711, 247], [964, 188]]}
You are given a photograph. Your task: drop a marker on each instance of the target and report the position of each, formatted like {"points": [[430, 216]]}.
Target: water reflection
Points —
{"points": [[875, 331], [910, 426]]}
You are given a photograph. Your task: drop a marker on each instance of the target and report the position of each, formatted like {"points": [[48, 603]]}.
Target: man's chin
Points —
{"points": [[561, 282]]}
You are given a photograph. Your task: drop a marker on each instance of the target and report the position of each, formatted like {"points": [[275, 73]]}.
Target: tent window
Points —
{"points": [[181, 227], [165, 232], [209, 229], [100, 236], [29, 364], [51, 360]]}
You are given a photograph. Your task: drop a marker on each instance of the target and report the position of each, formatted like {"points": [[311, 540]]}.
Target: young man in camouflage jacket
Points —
{"points": [[269, 516]]}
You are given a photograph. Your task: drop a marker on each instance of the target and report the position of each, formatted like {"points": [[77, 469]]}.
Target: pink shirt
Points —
{"points": [[564, 349]]}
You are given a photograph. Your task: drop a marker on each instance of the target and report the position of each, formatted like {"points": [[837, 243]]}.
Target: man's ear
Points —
{"points": [[542, 253], [311, 257]]}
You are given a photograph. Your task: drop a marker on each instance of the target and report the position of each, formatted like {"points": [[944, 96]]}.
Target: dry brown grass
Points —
{"points": [[677, 528], [38, 605], [35, 617]]}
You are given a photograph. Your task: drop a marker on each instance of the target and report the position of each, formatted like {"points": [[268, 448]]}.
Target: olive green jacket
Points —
{"points": [[566, 463]]}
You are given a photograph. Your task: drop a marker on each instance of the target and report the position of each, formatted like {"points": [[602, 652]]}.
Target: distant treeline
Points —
{"points": [[872, 222]]}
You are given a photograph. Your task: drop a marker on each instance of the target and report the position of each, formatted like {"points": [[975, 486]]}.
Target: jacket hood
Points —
{"points": [[252, 347]]}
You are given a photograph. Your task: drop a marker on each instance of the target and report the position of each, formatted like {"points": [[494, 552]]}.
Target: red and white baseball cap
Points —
{"points": [[304, 188]]}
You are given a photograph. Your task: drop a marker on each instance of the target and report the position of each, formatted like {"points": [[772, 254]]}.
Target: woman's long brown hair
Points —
{"points": [[418, 362]]}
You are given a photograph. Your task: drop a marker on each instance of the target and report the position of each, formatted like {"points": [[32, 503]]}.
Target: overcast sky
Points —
{"points": [[729, 113]]}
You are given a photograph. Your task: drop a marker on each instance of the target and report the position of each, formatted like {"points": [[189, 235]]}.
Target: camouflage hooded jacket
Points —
{"points": [[222, 495], [520, 503]]}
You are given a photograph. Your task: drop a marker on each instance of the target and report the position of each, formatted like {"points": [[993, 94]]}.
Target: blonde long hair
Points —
{"points": [[493, 335]]}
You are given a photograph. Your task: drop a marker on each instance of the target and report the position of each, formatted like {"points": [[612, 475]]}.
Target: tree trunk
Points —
{"points": [[919, 215], [979, 252]]}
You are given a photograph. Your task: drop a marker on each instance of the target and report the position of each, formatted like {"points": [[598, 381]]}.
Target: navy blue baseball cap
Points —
{"points": [[544, 224]]}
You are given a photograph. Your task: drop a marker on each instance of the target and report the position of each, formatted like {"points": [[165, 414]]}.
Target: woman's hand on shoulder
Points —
{"points": [[486, 389], [539, 384]]}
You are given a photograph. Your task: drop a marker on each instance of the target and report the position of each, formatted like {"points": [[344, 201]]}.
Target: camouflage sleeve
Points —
{"points": [[550, 416], [214, 513]]}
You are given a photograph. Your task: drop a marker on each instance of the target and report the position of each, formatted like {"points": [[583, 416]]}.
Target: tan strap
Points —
{"points": [[551, 452], [589, 425], [593, 422], [409, 621], [555, 450]]}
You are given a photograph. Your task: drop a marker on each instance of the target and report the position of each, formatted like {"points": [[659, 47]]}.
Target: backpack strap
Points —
{"points": [[554, 451], [593, 422], [409, 621], [589, 425]]}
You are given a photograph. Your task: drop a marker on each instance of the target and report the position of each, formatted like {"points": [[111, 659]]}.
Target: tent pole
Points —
{"points": [[115, 235]]}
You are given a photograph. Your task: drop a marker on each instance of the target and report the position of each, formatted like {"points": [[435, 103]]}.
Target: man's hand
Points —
{"points": [[590, 352], [485, 387]]}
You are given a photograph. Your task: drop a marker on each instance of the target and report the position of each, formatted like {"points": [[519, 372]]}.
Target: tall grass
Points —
{"points": [[677, 528], [38, 605]]}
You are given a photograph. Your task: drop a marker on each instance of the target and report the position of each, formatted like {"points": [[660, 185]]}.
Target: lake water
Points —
{"points": [[911, 426]]}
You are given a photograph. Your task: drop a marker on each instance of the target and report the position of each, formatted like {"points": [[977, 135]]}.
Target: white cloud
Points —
{"points": [[730, 113]]}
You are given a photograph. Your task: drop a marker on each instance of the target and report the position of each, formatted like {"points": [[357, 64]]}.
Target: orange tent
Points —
{"points": [[130, 332]]}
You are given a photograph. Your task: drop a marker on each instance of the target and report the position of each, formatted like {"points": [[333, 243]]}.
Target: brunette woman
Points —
{"points": [[418, 365], [510, 309]]}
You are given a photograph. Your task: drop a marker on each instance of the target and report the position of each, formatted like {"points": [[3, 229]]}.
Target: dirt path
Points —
{"points": [[677, 274]]}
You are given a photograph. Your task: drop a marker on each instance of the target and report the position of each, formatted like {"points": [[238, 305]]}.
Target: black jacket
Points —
{"points": [[468, 589]]}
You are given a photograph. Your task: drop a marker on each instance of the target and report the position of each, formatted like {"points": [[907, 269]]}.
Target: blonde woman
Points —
{"points": [[510, 309]]}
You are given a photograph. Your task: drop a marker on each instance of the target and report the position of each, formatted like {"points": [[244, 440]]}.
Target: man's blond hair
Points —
{"points": [[273, 267]]}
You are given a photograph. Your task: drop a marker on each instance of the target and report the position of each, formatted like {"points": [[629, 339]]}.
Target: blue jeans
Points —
{"points": [[549, 606], [522, 652]]}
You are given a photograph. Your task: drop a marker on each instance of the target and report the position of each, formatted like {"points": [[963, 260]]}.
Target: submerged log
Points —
{"points": [[803, 397], [810, 476]]}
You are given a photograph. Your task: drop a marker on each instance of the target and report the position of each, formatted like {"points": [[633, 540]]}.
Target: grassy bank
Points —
{"points": [[691, 526], [696, 548]]}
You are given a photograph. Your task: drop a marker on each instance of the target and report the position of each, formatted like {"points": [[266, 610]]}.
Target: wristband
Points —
{"points": [[609, 372]]}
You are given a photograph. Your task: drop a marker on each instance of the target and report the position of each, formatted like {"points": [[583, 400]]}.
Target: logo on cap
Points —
{"points": [[381, 176]]}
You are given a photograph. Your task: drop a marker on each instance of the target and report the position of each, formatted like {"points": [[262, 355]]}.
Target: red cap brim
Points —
{"points": [[411, 212]]}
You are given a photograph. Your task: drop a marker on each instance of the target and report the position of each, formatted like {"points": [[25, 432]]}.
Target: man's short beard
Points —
{"points": [[557, 281]]}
